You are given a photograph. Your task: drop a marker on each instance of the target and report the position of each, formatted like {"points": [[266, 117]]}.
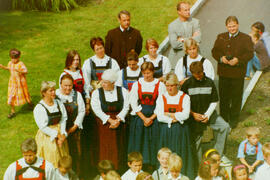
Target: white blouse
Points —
{"points": [[146, 87], [130, 175], [29, 173], [166, 65], [130, 73], [213, 178], [99, 62], [110, 96], [77, 75], [41, 118], [180, 116], [207, 68], [81, 106]]}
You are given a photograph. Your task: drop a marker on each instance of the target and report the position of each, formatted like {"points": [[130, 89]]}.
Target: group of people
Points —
{"points": [[126, 106]]}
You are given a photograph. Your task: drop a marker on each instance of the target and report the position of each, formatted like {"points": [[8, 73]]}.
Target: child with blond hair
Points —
{"points": [[135, 162], [264, 170], [112, 175], [250, 150], [175, 165], [64, 170], [163, 157], [17, 87]]}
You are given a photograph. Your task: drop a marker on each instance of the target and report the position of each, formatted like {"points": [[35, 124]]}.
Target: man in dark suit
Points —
{"points": [[232, 50], [119, 41]]}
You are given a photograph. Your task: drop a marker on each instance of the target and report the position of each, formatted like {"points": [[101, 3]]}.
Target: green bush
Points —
{"points": [[45, 5]]}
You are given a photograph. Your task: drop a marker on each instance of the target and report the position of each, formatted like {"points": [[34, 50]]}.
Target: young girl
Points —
{"points": [[17, 87], [208, 170], [240, 172], [214, 154]]}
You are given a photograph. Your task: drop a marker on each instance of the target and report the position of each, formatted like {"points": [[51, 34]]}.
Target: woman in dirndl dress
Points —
{"points": [[110, 105], [173, 108], [144, 127], [50, 116], [75, 108]]}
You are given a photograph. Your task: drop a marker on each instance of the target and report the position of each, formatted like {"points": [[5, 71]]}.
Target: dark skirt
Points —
{"points": [[74, 145], [177, 139], [111, 142], [144, 139]]}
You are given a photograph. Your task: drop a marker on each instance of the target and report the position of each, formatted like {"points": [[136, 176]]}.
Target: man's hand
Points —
{"points": [[224, 60], [198, 117], [233, 62]]}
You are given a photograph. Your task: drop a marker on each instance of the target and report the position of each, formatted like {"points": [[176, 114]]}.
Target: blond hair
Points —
{"points": [[135, 156], [144, 176], [112, 175], [175, 162], [164, 150], [190, 42], [171, 79], [65, 162], [29, 145], [252, 131], [147, 66], [266, 149], [45, 85]]}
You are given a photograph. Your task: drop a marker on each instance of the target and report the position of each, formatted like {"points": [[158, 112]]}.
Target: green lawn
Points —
{"points": [[45, 38]]}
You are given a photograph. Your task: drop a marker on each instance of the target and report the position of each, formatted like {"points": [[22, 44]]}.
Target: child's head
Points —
{"points": [[253, 134], [135, 161], [132, 60], [64, 164], [266, 152], [112, 175], [208, 168], [258, 26], [163, 157], [105, 166], [213, 154], [175, 165], [14, 54], [239, 172], [144, 176], [255, 36]]}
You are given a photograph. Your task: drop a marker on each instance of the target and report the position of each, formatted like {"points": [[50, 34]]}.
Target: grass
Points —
{"points": [[45, 38]]}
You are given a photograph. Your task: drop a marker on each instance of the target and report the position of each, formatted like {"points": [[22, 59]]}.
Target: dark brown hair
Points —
{"points": [[132, 56], [96, 41], [205, 168], [259, 25], [123, 12], [151, 42], [14, 53], [66, 76], [147, 66], [231, 19], [70, 58], [196, 67]]}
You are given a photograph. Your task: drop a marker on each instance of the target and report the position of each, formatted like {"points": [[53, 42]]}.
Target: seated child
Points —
{"points": [[250, 150], [135, 161], [112, 175], [175, 166], [104, 167], [144, 176], [263, 171], [208, 170], [163, 157], [239, 172], [214, 154], [64, 171]]}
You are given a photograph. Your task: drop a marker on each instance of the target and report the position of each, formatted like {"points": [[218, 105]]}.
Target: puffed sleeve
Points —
{"points": [[161, 88], [10, 172], [160, 112], [119, 81], [81, 111], [167, 65], [96, 106], [184, 115], [179, 70], [41, 119], [22, 67], [125, 109], [87, 76], [133, 98], [64, 117], [49, 171], [115, 65]]}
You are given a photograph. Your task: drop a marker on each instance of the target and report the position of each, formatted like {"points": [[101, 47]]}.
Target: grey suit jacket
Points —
{"points": [[176, 29]]}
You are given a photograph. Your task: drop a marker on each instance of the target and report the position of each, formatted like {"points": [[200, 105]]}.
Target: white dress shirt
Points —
{"points": [[166, 65], [207, 67], [99, 62], [130, 175], [77, 75], [263, 172], [110, 96], [41, 118], [180, 116], [146, 87], [30, 173], [81, 106]]}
